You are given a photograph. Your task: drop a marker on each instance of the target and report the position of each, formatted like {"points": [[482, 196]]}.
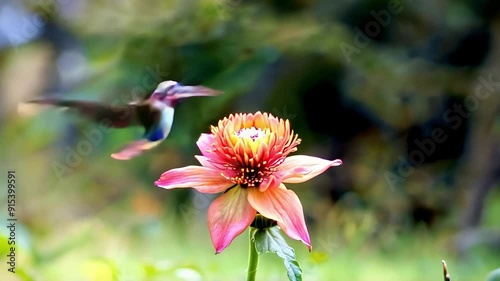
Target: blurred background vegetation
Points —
{"points": [[406, 93]]}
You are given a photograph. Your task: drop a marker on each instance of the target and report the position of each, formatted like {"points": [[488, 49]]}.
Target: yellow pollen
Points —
{"points": [[250, 177]]}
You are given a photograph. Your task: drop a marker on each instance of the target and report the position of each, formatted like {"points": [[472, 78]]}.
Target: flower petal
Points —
{"points": [[203, 179], [269, 182], [228, 216], [204, 143], [301, 168], [207, 162], [282, 205]]}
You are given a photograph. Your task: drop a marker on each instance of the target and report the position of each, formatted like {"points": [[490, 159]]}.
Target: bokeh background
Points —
{"points": [[405, 92]]}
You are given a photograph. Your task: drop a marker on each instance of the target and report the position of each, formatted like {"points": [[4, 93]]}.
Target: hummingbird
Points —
{"points": [[155, 114]]}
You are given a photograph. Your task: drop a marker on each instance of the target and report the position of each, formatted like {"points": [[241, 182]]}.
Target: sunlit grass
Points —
{"points": [[134, 248]]}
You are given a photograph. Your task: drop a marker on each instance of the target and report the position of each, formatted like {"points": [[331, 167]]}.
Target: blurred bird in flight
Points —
{"points": [[155, 114]]}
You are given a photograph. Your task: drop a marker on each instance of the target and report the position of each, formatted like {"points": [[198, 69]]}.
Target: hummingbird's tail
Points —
{"points": [[134, 149]]}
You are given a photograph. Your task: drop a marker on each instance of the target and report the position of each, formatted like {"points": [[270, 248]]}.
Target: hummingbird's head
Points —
{"points": [[172, 91], [164, 88]]}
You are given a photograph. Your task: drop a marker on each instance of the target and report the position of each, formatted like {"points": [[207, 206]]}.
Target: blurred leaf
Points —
{"points": [[99, 270], [494, 275]]}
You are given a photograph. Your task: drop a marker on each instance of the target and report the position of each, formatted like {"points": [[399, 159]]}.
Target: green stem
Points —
{"points": [[253, 259]]}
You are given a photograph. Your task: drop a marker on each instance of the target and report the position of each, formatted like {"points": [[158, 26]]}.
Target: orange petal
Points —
{"points": [[203, 179], [301, 168], [282, 205], [228, 216]]}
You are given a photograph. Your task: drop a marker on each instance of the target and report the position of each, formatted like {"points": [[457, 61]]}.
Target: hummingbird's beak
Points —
{"points": [[180, 92]]}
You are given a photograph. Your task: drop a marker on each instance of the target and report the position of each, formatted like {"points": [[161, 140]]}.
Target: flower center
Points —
{"points": [[251, 133], [251, 174], [250, 177]]}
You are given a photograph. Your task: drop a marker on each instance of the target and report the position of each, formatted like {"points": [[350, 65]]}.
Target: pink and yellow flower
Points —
{"points": [[245, 159]]}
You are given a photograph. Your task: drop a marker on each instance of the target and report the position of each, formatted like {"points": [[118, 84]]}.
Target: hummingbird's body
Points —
{"points": [[155, 114]]}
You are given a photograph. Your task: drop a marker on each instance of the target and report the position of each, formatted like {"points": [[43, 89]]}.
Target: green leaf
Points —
{"points": [[270, 240]]}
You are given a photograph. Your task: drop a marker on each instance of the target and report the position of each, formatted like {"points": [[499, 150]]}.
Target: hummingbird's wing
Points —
{"points": [[156, 120], [117, 116], [157, 123]]}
